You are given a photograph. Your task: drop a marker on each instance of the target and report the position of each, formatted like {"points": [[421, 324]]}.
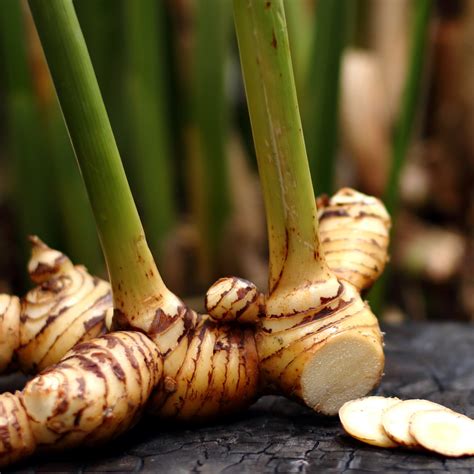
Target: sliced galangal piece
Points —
{"points": [[396, 420], [444, 432], [362, 419]]}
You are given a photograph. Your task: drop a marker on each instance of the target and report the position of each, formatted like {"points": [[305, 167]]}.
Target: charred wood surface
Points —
{"points": [[432, 361]]}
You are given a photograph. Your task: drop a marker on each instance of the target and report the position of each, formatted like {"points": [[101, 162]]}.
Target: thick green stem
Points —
{"points": [[322, 89], [150, 136], [132, 270], [213, 19], [295, 254]]}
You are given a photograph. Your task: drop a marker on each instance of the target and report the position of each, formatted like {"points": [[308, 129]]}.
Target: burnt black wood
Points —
{"points": [[433, 361]]}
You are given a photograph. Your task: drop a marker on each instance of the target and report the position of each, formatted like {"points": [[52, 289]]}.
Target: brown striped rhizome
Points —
{"points": [[212, 364]]}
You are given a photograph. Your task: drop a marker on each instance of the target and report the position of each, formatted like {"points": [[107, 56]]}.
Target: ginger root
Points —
{"points": [[16, 436], [67, 307], [234, 299], [354, 230], [213, 364], [9, 329], [209, 370], [324, 355], [331, 350], [96, 392]]}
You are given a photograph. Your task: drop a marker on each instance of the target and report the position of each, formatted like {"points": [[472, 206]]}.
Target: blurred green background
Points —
{"points": [[386, 93]]}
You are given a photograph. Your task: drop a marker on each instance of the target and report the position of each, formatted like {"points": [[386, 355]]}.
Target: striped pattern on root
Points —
{"points": [[211, 365], [287, 344], [210, 369], [9, 329], [96, 392], [67, 307], [234, 299], [354, 233], [16, 437]]}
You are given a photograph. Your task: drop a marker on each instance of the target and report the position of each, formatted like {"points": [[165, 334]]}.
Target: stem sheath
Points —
{"points": [[295, 254]]}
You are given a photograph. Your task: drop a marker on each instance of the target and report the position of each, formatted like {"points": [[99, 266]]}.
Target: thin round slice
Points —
{"points": [[362, 419], [444, 432], [396, 420]]}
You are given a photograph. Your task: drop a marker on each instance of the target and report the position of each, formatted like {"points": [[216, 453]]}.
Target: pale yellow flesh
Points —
{"points": [[396, 420], [362, 419], [444, 432], [348, 366]]}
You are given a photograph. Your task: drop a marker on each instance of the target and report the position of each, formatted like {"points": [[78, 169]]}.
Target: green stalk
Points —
{"points": [[34, 209], [133, 274], [213, 21], [291, 212], [405, 124], [150, 148], [322, 89]]}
